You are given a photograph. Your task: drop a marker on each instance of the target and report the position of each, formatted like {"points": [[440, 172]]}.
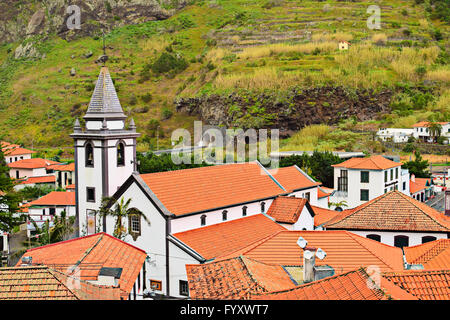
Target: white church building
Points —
{"points": [[173, 202]]}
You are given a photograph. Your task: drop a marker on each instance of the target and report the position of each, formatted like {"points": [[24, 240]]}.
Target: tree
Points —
{"points": [[418, 167], [9, 199], [120, 211], [59, 231], [435, 130]]}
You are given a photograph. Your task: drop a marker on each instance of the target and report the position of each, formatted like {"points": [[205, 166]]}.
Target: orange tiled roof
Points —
{"points": [[287, 209], [322, 192], [235, 278], [43, 179], [63, 167], [372, 163], [206, 188], [24, 208], [18, 151], [423, 284], [426, 124], [392, 211], [43, 283], [5, 146], [419, 184], [56, 198], [291, 178], [31, 163], [223, 238], [323, 215], [352, 285], [346, 251], [70, 186], [93, 252], [432, 255]]}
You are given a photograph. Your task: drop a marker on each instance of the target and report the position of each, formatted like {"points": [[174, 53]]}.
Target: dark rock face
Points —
{"points": [[325, 105], [19, 19]]}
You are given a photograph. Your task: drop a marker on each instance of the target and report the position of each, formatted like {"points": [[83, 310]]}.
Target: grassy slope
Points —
{"points": [[40, 95]]}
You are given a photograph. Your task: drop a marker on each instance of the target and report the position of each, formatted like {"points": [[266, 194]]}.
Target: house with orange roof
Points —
{"points": [[35, 167], [14, 152], [64, 174], [421, 189], [422, 130], [44, 283], [394, 219], [292, 213], [52, 205], [99, 259], [358, 180]]}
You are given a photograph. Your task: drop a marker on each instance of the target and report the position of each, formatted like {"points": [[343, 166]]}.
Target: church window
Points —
{"points": [[224, 215], [90, 194], [134, 224], [120, 154], [89, 155], [203, 220], [244, 211]]}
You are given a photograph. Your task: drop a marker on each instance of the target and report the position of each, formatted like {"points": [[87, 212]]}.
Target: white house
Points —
{"points": [[64, 174], [44, 181], [35, 167], [51, 205], [292, 213], [421, 188], [422, 132], [358, 180], [394, 219], [14, 152], [397, 135]]}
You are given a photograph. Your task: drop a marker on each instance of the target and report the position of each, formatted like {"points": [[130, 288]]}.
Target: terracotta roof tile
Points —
{"points": [[94, 252], [56, 198], [63, 167], [323, 215], [432, 255], [377, 162], [42, 179], [287, 209], [323, 192], [43, 283], [352, 285], [423, 284], [31, 163], [206, 188], [426, 124], [346, 251], [226, 237], [235, 278], [18, 151], [291, 178], [419, 184], [392, 211]]}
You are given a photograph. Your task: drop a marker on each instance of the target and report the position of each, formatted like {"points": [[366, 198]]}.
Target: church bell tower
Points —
{"points": [[105, 153]]}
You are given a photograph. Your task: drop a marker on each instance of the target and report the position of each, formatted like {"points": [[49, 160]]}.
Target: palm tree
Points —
{"points": [[340, 204], [59, 231], [435, 130], [120, 211]]}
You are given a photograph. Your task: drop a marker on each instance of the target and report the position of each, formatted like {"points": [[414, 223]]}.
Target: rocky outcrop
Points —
{"points": [[290, 113], [19, 19]]}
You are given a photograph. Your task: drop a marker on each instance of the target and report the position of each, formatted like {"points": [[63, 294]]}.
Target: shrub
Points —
{"points": [[166, 114], [169, 62], [147, 97]]}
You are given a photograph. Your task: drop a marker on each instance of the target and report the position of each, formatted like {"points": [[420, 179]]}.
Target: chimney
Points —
{"points": [[109, 276], [27, 261], [309, 262], [413, 178]]}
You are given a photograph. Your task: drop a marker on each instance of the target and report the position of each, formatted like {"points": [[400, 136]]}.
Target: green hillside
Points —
{"points": [[232, 46]]}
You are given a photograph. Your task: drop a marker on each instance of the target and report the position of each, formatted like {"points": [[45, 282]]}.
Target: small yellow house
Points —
{"points": [[343, 45]]}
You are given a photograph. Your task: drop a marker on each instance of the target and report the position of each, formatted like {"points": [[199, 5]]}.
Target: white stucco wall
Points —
{"points": [[415, 238]]}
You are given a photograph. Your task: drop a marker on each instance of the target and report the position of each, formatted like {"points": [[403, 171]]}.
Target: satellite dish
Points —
{"points": [[321, 254], [308, 254], [302, 242]]}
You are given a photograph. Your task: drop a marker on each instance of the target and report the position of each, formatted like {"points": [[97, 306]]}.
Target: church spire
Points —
{"points": [[104, 102]]}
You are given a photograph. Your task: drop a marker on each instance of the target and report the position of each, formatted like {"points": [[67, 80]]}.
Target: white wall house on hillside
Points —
{"points": [[359, 180], [14, 152], [396, 135], [26, 168], [422, 130]]}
